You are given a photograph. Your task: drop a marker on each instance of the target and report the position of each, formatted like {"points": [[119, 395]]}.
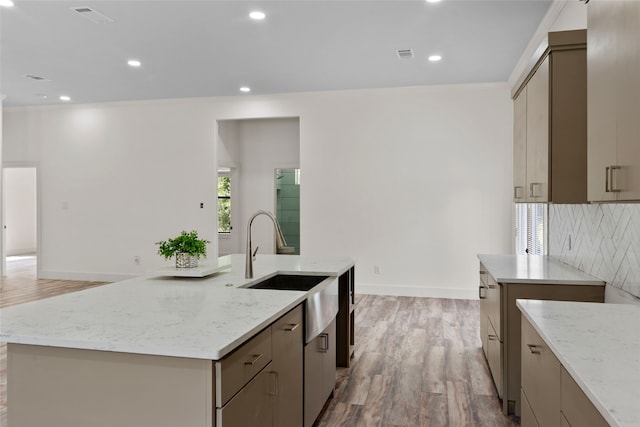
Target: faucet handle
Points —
{"points": [[255, 252]]}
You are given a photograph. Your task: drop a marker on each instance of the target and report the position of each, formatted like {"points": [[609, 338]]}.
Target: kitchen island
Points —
{"points": [[150, 350]]}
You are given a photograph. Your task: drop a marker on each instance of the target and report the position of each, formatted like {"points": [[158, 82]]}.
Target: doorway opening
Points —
{"points": [[20, 221]]}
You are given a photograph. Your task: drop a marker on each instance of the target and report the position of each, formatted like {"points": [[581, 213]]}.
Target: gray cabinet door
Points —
{"points": [[288, 339], [520, 147], [538, 135], [614, 101], [252, 406], [319, 373]]}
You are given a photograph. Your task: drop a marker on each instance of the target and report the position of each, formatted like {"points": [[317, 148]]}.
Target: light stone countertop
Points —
{"points": [[200, 318], [538, 269], [599, 345]]}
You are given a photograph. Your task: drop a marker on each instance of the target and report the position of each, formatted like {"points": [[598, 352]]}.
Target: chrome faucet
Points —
{"points": [[280, 242]]}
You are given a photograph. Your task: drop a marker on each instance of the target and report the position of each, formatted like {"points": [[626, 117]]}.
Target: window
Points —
{"points": [[224, 203], [531, 228]]}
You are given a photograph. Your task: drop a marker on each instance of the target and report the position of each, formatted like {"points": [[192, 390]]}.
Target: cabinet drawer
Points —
{"points": [[540, 377], [290, 322], [527, 418], [238, 368], [252, 406], [494, 298], [494, 357], [576, 407]]}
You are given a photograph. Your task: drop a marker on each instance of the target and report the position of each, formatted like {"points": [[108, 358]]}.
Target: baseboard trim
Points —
{"points": [[22, 252], [87, 277], [416, 291]]}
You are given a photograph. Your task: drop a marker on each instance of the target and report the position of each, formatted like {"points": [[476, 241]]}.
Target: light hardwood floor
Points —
{"points": [[417, 363]]}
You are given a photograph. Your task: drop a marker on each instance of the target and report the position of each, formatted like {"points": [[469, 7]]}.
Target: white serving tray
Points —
{"points": [[199, 271]]}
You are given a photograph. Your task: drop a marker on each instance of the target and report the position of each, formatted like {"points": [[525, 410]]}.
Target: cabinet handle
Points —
{"points": [[532, 190], [609, 186], [325, 344], [292, 327], [492, 286], [613, 181], [533, 349], [275, 384], [492, 337], [516, 192], [256, 357], [481, 294]]}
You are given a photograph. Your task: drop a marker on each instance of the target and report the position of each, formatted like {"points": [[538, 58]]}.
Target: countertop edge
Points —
{"points": [[305, 266], [540, 262]]}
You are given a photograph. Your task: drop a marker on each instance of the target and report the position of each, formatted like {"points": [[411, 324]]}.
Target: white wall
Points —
{"points": [[115, 179], [563, 15], [20, 210], [414, 180], [573, 16]]}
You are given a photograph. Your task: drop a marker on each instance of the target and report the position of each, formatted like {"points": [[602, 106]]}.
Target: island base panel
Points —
{"points": [[60, 387]]}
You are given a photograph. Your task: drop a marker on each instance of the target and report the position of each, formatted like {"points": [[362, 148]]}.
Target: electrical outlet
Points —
{"points": [[136, 259], [376, 269]]}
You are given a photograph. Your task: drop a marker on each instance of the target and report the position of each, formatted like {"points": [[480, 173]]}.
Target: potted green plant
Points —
{"points": [[186, 247]]}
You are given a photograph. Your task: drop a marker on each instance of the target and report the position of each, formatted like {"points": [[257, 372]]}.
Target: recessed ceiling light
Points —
{"points": [[245, 89], [435, 58], [257, 15], [65, 98], [433, 1], [134, 63], [6, 3]]}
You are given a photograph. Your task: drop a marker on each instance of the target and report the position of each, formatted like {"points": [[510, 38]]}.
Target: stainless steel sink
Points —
{"points": [[289, 282], [321, 306]]}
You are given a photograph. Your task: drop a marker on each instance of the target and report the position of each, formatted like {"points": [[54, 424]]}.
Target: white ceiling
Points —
{"points": [[211, 48]]}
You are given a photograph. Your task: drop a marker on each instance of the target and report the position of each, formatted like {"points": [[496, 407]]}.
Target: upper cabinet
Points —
{"points": [[550, 125], [614, 100]]}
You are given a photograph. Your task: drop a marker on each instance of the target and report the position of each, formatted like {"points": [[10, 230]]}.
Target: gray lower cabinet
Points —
{"points": [[288, 338], [500, 326], [252, 406], [319, 373], [540, 384], [261, 383], [527, 417], [550, 396], [575, 407]]}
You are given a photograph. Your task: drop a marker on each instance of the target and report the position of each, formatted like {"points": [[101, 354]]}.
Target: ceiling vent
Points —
{"points": [[404, 53], [92, 15]]}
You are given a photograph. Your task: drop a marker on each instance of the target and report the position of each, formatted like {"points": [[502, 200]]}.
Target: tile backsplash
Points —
{"points": [[600, 239]]}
